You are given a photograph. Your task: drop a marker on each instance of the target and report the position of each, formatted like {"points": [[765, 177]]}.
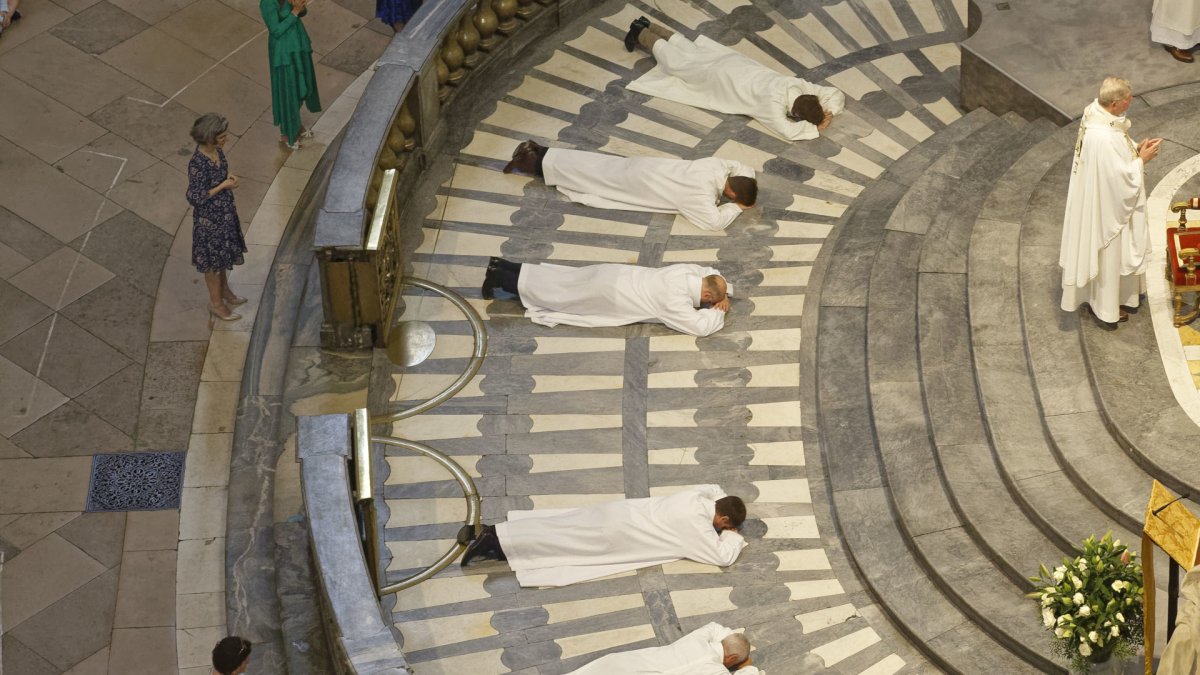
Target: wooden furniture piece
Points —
{"points": [[1183, 256]]}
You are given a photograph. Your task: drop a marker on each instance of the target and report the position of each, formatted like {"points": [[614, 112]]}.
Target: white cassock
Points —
{"points": [[1175, 23], [556, 547], [616, 295], [707, 74], [1105, 240], [691, 188], [697, 653]]}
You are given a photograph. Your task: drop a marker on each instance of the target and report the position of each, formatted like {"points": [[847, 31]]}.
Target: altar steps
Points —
{"points": [[969, 429]]}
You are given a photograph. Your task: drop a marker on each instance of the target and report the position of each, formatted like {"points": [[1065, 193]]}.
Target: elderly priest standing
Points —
{"points": [[709, 650], [556, 547], [1105, 238], [688, 298], [691, 188]]}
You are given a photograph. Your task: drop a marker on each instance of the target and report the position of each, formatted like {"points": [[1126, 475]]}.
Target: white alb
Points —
{"points": [[707, 74], [1105, 240]]}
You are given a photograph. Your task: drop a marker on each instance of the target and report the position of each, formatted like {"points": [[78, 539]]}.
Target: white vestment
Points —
{"points": [[690, 188], [1105, 240], [1182, 655], [1175, 23], [554, 547], [616, 295], [707, 74], [697, 653]]}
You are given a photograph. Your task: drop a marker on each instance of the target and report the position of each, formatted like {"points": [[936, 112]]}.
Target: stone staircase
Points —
{"points": [[969, 430]]}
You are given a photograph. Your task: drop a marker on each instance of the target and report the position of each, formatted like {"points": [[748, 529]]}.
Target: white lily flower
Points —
{"points": [[1085, 649], [1085, 610], [1120, 617], [1077, 598], [1048, 617], [1118, 585], [1115, 631], [1077, 582], [1094, 636]]}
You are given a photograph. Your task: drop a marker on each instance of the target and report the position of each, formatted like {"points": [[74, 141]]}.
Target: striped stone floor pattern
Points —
{"points": [[569, 416]]}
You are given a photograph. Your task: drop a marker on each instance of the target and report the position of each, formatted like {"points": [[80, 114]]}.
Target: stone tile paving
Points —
{"points": [[567, 416], [105, 337]]}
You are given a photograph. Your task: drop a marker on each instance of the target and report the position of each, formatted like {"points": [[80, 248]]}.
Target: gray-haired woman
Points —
{"points": [[217, 242]]}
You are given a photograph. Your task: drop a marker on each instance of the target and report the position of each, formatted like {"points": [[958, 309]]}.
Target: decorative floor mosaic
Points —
{"points": [[136, 481], [570, 416]]}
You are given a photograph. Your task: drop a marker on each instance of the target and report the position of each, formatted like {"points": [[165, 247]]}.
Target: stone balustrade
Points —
{"points": [[400, 120], [402, 117]]}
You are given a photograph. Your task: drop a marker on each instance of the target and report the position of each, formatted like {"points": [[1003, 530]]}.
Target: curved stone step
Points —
{"points": [[920, 563], [866, 520], [1023, 450], [1132, 389], [951, 557]]}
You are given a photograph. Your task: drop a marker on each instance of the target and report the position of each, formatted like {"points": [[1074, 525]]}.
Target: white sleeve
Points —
{"points": [[711, 491], [709, 216], [698, 322], [832, 99], [721, 550], [735, 168]]}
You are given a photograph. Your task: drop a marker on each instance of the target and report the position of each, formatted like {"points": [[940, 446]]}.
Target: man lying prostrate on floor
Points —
{"points": [[557, 547], [707, 74], [708, 650], [688, 298], [691, 188]]}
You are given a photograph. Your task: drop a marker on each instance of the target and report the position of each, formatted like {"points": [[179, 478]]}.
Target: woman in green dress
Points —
{"points": [[293, 82]]}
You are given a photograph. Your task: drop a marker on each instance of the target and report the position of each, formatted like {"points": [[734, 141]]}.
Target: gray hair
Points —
{"points": [[1113, 89], [738, 645], [207, 127]]}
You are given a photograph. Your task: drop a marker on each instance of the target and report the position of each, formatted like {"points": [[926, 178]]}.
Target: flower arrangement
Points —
{"points": [[1093, 604]]}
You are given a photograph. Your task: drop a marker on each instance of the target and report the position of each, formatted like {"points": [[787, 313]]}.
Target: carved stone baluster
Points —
{"points": [[373, 190], [407, 126], [526, 8], [506, 11], [468, 39], [387, 156], [397, 144], [452, 56], [485, 22], [443, 76]]}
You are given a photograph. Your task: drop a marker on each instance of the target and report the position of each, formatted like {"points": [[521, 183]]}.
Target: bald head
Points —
{"points": [[713, 289], [737, 649]]}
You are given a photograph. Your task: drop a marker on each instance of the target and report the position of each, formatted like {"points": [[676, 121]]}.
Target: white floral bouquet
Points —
{"points": [[1093, 603]]}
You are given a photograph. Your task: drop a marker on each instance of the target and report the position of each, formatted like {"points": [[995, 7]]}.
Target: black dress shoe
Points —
{"points": [[485, 547], [491, 282], [635, 29]]}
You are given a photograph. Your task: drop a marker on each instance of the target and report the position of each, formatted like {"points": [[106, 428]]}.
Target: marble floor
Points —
{"points": [[105, 343], [570, 416], [105, 346]]}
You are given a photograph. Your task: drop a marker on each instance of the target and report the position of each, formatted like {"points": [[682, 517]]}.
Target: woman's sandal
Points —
{"points": [[232, 316]]}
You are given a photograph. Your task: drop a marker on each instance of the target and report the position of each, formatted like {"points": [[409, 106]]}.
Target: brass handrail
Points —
{"points": [[468, 531], [478, 333]]}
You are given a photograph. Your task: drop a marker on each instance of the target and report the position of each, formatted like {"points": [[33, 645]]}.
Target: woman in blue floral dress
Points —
{"points": [[217, 243]]}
